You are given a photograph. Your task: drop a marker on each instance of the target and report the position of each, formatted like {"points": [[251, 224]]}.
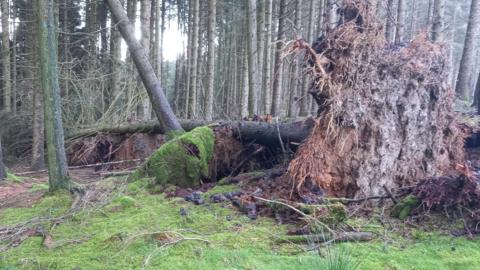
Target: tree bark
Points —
{"points": [[212, 6], [468, 57], [145, 12], [438, 20], [477, 94], [3, 173], [306, 80], [162, 108], [399, 34], [6, 70], [331, 14], [192, 91], [259, 132], [278, 69], [253, 78], [47, 56], [295, 76], [267, 85], [391, 19]]}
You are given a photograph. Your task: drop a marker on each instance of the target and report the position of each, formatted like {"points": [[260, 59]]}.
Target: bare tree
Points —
{"points": [[468, 58], [401, 14], [212, 5], [278, 69], [253, 75], [438, 20], [47, 56], [266, 84], [6, 68], [162, 108]]}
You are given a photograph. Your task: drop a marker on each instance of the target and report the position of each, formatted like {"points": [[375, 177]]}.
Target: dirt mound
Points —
{"points": [[385, 113]]}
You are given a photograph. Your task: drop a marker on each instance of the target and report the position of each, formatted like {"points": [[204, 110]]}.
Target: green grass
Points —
{"points": [[235, 241]]}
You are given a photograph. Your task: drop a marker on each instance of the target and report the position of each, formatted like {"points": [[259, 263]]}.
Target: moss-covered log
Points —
{"points": [[182, 161]]}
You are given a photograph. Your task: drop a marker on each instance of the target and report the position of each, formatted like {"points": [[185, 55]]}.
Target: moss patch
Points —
{"points": [[402, 209], [182, 161]]}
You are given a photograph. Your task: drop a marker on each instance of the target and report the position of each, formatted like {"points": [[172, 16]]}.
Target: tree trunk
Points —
{"points": [[438, 20], [391, 19], [477, 94], [278, 69], [253, 78], [468, 58], [245, 88], [115, 54], [162, 108], [267, 84], [248, 131], [260, 53], [331, 14], [47, 56], [145, 12], [399, 34], [3, 173], [192, 92], [306, 80], [295, 75], [6, 70], [212, 6]]}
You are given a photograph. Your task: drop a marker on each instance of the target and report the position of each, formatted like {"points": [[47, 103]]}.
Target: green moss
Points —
{"points": [[403, 209], [236, 241], [126, 201], [182, 161], [39, 187], [12, 178]]}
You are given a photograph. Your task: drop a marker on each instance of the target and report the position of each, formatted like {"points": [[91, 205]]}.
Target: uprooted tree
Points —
{"points": [[385, 116]]}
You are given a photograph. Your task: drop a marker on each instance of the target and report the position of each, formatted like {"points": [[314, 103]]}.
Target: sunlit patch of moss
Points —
{"points": [[182, 161], [222, 189], [12, 178], [108, 240]]}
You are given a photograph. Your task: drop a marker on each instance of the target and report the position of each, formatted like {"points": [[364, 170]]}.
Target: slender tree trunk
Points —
{"points": [[401, 12], [14, 68], [468, 57], [162, 108], [306, 81], [115, 52], [212, 7], [477, 94], [192, 108], [253, 75], [295, 79], [438, 20], [278, 69], [391, 19], [331, 14], [260, 53], [47, 56], [145, 13], [3, 173], [6, 68], [245, 92], [267, 84]]}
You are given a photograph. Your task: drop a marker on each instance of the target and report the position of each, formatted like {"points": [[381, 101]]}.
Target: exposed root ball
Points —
{"points": [[385, 115]]}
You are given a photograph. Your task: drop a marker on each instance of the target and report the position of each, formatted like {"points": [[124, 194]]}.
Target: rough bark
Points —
{"points": [[401, 14], [115, 54], [468, 57], [391, 19], [278, 69], [304, 97], [212, 5], [6, 68], [477, 94], [260, 132], [145, 13], [260, 53], [438, 20], [192, 91], [295, 80], [253, 74], [331, 14], [267, 85], [47, 56], [162, 108], [3, 173]]}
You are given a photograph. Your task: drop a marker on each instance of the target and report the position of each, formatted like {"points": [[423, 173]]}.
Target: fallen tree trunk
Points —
{"points": [[259, 132]]}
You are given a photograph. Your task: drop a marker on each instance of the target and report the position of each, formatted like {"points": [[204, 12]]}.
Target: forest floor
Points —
{"points": [[123, 226]]}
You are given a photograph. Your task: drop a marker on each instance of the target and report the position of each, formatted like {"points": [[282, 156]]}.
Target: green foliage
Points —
{"points": [[126, 201], [12, 178], [182, 161], [340, 258], [402, 209]]}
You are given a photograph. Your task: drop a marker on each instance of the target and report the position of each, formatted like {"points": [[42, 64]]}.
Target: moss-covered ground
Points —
{"points": [[119, 236]]}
